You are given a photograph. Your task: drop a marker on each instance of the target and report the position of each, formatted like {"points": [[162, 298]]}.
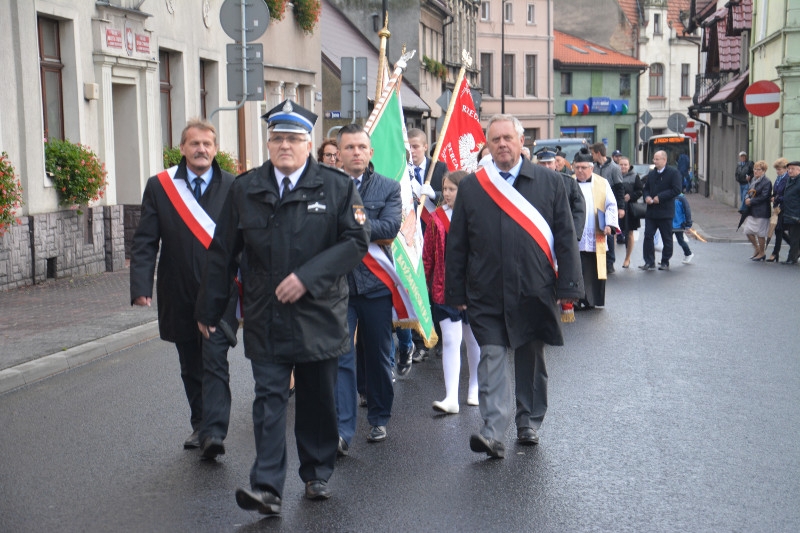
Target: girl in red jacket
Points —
{"points": [[454, 323]]}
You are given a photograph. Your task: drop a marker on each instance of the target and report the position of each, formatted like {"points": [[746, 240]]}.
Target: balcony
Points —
{"points": [[707, 85]]}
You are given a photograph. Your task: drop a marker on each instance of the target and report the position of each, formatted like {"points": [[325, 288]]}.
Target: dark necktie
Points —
{"points": [[198, 189], [287, 186], [358, 184], [418, 174], [506, 175]]}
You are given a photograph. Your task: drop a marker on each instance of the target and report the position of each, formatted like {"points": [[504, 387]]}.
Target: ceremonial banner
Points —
{"points": [[407, 279], [462, 139]]}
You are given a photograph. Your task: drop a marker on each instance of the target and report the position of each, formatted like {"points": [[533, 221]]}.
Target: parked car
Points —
{"points": [[570, 146]]}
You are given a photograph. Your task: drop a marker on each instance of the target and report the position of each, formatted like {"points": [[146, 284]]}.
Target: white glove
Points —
{"points": [[427, 190], [415, 187]]}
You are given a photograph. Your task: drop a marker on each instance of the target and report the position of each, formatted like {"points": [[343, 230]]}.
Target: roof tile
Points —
{"points": [[569, 50]]}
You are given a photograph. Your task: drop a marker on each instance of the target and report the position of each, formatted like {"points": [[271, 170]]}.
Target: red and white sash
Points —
{"points": [[428, 209], [184, 202], [442, 216], [521, 211], [380, 265]]}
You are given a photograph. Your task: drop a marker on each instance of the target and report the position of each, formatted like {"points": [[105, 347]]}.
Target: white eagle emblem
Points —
{"points": [[468, 152]]}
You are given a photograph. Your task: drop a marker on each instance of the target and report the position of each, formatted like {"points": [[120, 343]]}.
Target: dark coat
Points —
{"points": [[613, 174], [744, 171], [632, 185], [791, 201], [180, 265], [313, 232], [384, 208], [439, 170], [666, 185], [760, 199], [497, 270]]}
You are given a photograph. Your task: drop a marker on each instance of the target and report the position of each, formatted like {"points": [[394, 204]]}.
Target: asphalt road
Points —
{"points": [[673, 409]]}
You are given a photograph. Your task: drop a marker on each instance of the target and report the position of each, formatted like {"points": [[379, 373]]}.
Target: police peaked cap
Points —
{"points": [[290, 116]]}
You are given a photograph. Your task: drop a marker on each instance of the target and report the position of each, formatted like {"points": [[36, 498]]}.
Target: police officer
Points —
{"points": [[301, 227]]}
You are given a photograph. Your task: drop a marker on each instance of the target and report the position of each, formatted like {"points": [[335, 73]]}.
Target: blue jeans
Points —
{"points": [[743, 187], [404, 342]]}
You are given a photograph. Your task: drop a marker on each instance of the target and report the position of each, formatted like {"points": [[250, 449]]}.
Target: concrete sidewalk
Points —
{"points": [[64, 323]]}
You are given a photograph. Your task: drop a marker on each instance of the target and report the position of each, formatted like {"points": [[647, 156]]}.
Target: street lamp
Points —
{"points": [[503, 56]]}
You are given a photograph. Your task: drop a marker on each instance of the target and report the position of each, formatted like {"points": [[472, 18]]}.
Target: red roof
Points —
{"points": [[571, 51], [631, 10], [674, 9]]}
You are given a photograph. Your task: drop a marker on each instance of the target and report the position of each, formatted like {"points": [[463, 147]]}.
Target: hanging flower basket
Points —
{"points": [[10, 194], [306, 13], [225, 160], [277, 8], [77, 173]]}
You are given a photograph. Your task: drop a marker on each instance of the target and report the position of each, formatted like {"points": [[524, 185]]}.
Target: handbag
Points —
{"points": [[638, 209]]}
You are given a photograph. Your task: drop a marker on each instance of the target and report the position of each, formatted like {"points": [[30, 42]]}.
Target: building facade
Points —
{"points": [[120, 77], [515, 58]]}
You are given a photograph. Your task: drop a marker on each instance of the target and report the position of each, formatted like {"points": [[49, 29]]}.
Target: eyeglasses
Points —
{"points": [[331, 155], [291, 139]]}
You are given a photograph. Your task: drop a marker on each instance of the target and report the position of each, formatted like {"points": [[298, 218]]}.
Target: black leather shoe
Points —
{"points": [[787, 262], [362, 400], [377, 434], [647, 266], [212, 447], [317, 490], [527, 436], [404, 361], [343, 449], [492, 448], [663, 266], [610, 269], [263, 501], [193, 441], [420, 355]]}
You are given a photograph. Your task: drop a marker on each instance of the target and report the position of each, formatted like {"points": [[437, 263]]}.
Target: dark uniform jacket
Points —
{"points": [[384, 208], [497, 270], [666, 185], [576, 203], [180, 265], [317, 231]]}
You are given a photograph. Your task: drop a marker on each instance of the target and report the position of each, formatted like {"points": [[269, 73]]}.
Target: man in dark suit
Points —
{"points": [[417, 141], [511, 223], [179, 209], [662, 186], [300, 227]]}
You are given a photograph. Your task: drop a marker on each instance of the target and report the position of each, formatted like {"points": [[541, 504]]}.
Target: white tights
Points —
{"points": [[452, 333]]}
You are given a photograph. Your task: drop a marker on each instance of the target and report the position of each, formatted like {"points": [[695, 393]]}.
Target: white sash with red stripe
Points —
{"points": [[184, 202], [380, 265], [521, 211]]}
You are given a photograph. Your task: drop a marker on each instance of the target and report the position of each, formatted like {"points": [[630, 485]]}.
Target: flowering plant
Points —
{"points": [[77, 173], [276, 8], [225, 160], [10, 194], [306, 13]]}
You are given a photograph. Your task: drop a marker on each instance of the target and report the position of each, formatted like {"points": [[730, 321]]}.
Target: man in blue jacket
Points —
{"points": [[662, 186], [370, 304]]}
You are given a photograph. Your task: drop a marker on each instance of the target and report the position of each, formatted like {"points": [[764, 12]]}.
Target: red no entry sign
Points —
{"points": [[762, 98]]}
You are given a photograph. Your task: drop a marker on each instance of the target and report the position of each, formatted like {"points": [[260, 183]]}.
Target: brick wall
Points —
{"points": [[15, 256]]}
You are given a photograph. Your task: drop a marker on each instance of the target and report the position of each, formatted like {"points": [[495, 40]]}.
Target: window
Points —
{"points": [[624, 84], [203, 92], [685, 80], [531, 14], [166, 98], [656, 80], [508, 75], [485, 10], [566, 83], [50, 67], [530, 75], [486, 74], [656, 24], [508, 12]]}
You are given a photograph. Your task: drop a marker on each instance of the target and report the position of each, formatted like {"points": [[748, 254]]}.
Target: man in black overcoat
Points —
{"points": [[166, 223], [662, 186], [300, 228], [503, 272]]}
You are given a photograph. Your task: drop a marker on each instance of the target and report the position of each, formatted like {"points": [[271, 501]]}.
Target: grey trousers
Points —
{"points": [[494, 388]]}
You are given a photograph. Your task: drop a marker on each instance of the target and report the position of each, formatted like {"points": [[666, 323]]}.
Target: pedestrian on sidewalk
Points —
{"points": [[777, 207], [744, 173], [179, 209], [300, 227], [681, 221], [503, 274]]}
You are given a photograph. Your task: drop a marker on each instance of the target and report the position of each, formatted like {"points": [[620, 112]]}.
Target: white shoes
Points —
{"points": [[472, 399], [448, 408], [688, 259]]}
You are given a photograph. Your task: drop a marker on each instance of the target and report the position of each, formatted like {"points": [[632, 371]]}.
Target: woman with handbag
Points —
{"points": [[758, 201], [633, 192]]}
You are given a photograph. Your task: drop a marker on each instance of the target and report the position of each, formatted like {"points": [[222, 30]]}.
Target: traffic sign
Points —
{"points": [[690, 130], [646, 117], [645, 133], [762, 98], [256, 19], [676, 122]]}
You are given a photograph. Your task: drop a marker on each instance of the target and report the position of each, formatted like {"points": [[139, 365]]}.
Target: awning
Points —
{"points": [[732, 90]]}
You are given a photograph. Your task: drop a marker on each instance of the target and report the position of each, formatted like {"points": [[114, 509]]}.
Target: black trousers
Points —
{"points": [[190, 355]]}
